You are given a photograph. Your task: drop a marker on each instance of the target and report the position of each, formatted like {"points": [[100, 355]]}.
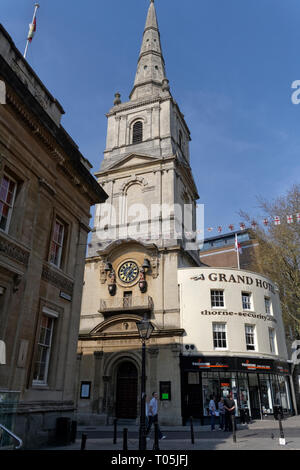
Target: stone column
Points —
{"points": [[96, 405], [77, 380], [151, 370], [106, 402]]}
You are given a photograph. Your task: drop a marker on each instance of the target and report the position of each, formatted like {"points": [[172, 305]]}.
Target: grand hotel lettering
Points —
{"points": [[237, 279]]}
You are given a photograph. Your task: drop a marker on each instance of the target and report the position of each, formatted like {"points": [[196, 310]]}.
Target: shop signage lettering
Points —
{"points": [[236, 279], [255, 366], [240, 314], [208, 365]]}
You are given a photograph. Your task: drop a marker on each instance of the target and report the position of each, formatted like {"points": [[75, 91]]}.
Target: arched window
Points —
{"points": [[137, 132]]}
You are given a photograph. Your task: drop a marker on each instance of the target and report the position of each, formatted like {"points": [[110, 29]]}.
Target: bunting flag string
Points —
{"points": [[289, 219]]}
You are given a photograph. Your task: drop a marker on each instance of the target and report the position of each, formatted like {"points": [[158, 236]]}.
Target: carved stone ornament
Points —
{"points": [[57, 280], [13, 251], [154, 266], [102, 272]]}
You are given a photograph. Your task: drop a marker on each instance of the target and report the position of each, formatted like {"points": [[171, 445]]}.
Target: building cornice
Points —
{"points": [[55, 140]]}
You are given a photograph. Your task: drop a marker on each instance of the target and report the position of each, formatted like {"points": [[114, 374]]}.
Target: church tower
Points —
{"points": [[138, 242]]}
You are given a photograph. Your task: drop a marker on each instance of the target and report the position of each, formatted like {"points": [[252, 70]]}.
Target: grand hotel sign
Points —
{"points": [[235, 279]]}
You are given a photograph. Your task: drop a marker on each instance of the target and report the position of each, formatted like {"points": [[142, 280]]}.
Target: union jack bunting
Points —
{"points": [[298, 217], [219, 229], [277, 220], [253, 224], [266, 222], [210, 229], [231, 227], [242, 226], [290, 219]]}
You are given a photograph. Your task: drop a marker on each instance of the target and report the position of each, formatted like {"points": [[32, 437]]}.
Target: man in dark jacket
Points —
{"points": [[229, 406]]}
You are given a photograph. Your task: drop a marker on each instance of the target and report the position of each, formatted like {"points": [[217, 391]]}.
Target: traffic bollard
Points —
{"points": [[115, 431], [282, 438], [83, 441], [233, 428], [192, 430], [156, 444], [125, 439]]}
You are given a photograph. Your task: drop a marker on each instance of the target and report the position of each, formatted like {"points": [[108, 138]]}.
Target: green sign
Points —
{"points": [[165, 396]]}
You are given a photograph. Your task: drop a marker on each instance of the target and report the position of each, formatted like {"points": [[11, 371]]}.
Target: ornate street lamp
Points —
{"points": [[145, 329]]}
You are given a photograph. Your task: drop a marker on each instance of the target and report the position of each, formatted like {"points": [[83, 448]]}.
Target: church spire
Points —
{"points": [[150, 76]]}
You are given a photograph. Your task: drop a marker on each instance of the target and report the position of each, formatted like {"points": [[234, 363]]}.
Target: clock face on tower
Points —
{"points": [[128, 271]]}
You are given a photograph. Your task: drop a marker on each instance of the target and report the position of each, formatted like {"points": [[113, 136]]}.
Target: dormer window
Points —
{"points": [[137, 132]]}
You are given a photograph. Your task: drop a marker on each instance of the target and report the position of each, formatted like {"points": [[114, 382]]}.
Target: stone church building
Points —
{"points": [[132, 264]]}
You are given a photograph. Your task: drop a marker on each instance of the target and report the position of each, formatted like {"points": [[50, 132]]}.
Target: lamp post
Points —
{"points": [[145, 329]]}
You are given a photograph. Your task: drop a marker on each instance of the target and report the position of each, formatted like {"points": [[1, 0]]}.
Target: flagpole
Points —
{"points": [[36, 6], [237, 251]]}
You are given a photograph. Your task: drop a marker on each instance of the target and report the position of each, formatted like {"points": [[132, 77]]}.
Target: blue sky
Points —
{"points": [[230, 63]]}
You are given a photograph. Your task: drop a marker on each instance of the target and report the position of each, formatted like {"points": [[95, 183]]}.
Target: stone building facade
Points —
{"points": [[46, 191], [135, 252]]}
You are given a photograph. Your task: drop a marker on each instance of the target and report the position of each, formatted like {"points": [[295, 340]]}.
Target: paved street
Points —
{"points": [[259, 435]]}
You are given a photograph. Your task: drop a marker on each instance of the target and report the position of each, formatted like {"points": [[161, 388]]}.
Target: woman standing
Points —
{"points": [[212, 412], [221, 413]]}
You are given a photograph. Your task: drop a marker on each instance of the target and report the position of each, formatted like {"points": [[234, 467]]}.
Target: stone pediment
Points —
{"points": [[133, 160], [121, 325]]}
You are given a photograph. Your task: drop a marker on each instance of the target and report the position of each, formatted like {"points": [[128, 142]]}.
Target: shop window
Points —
{"points": [[246, 300], [41, 365], [58, 243], [217, 298], [219, 336], [7, 198], [137, 132], [250, 337], [268, 308]]}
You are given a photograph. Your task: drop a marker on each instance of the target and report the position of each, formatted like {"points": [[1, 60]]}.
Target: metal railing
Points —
{"points": [[126, 303], [11, 434]]}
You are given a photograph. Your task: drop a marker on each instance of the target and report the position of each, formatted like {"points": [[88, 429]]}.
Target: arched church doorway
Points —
{"points": [[127, 390]]}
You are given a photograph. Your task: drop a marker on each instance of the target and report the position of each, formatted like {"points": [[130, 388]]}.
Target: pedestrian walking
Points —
{"points": [[146, 411], [229, 406], [212, 412], [221, 408], [153, 415]]}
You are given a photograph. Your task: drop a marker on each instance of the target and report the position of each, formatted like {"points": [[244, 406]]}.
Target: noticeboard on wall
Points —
{"points": [[85, 390]]}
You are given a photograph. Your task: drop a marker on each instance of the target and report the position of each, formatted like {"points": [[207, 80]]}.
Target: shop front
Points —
{"points": [[259, 387]]}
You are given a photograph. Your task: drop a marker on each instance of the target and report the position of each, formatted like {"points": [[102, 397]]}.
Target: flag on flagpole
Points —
{"points": [[238, 246], [238, 250], [32, 30]]}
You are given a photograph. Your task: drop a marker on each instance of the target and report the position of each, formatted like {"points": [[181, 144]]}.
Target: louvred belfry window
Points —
{"points": [[137, 132]]}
